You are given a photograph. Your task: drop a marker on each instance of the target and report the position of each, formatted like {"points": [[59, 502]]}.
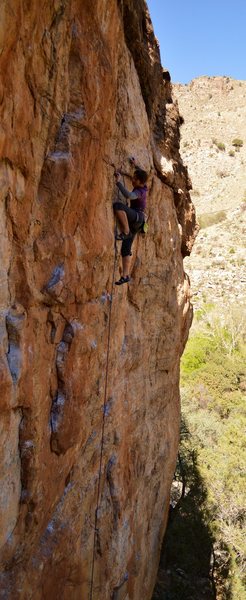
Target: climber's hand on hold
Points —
{"points": [[117, 176]]}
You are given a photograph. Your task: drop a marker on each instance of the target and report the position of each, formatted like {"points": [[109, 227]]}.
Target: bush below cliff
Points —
{"points": [[205, 543]]}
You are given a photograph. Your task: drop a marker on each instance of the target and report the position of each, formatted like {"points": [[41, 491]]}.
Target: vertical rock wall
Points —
{"points": [[82, 87]]}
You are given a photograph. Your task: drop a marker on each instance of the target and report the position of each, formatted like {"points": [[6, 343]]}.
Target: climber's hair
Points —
{"points": [[141, 175]]}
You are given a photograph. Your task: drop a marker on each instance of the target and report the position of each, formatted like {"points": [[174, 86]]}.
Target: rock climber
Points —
{"points": [[131, 218]]}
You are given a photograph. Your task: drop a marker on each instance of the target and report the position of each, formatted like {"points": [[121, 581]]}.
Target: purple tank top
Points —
{"points": [[140, 202]]}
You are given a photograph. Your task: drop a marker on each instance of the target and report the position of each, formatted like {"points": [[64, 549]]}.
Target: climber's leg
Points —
{"points": [[126, 216], [123, 221], [126, 260]]}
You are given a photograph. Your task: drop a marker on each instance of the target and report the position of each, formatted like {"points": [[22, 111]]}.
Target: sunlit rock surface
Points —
{"points": [[82, 87]]}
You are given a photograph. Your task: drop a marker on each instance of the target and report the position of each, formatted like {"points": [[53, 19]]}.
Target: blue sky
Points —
{"points": [[201, 37]]}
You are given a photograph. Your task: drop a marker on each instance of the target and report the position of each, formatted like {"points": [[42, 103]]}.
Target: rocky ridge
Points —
{"points": [[214, 113]]}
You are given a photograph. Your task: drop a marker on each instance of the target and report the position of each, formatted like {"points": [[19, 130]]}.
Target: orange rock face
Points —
{"points": [[82, 87]]}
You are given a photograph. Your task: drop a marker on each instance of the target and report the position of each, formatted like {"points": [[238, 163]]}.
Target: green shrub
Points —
{"points": [[237, 143], [220, 146], [208, 219], [197, 351], [213, 442]]}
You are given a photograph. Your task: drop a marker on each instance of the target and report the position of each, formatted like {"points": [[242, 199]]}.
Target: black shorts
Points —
{"points": [[132, 215], [135, 219]]}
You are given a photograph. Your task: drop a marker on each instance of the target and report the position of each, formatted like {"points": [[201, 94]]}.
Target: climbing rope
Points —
{"points": [[103, 420], [104, 405]]}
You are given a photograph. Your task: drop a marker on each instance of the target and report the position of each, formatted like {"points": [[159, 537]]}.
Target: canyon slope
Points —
{"points": [[214, 113], [89, 373], [210, 471], [213, 147]]}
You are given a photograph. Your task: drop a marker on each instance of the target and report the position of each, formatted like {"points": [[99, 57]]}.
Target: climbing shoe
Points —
{"points": [[123, 236], [123, 280]]}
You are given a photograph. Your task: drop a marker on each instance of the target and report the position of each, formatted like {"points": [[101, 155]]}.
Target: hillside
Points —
{"points": [[214, 113], [204, 552]]}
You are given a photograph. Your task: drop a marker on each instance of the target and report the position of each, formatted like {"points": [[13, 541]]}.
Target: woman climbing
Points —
{"points": [[131, 218]]}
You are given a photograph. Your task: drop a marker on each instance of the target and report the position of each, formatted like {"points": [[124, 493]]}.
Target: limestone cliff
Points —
{"points": [[82, 87]]}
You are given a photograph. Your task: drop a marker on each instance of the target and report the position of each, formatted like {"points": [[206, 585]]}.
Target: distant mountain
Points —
{"points": [[214, 112], [213, 146]]}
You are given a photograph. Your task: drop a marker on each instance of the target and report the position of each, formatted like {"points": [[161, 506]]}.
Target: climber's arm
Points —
{"points": [[125, 192]]}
